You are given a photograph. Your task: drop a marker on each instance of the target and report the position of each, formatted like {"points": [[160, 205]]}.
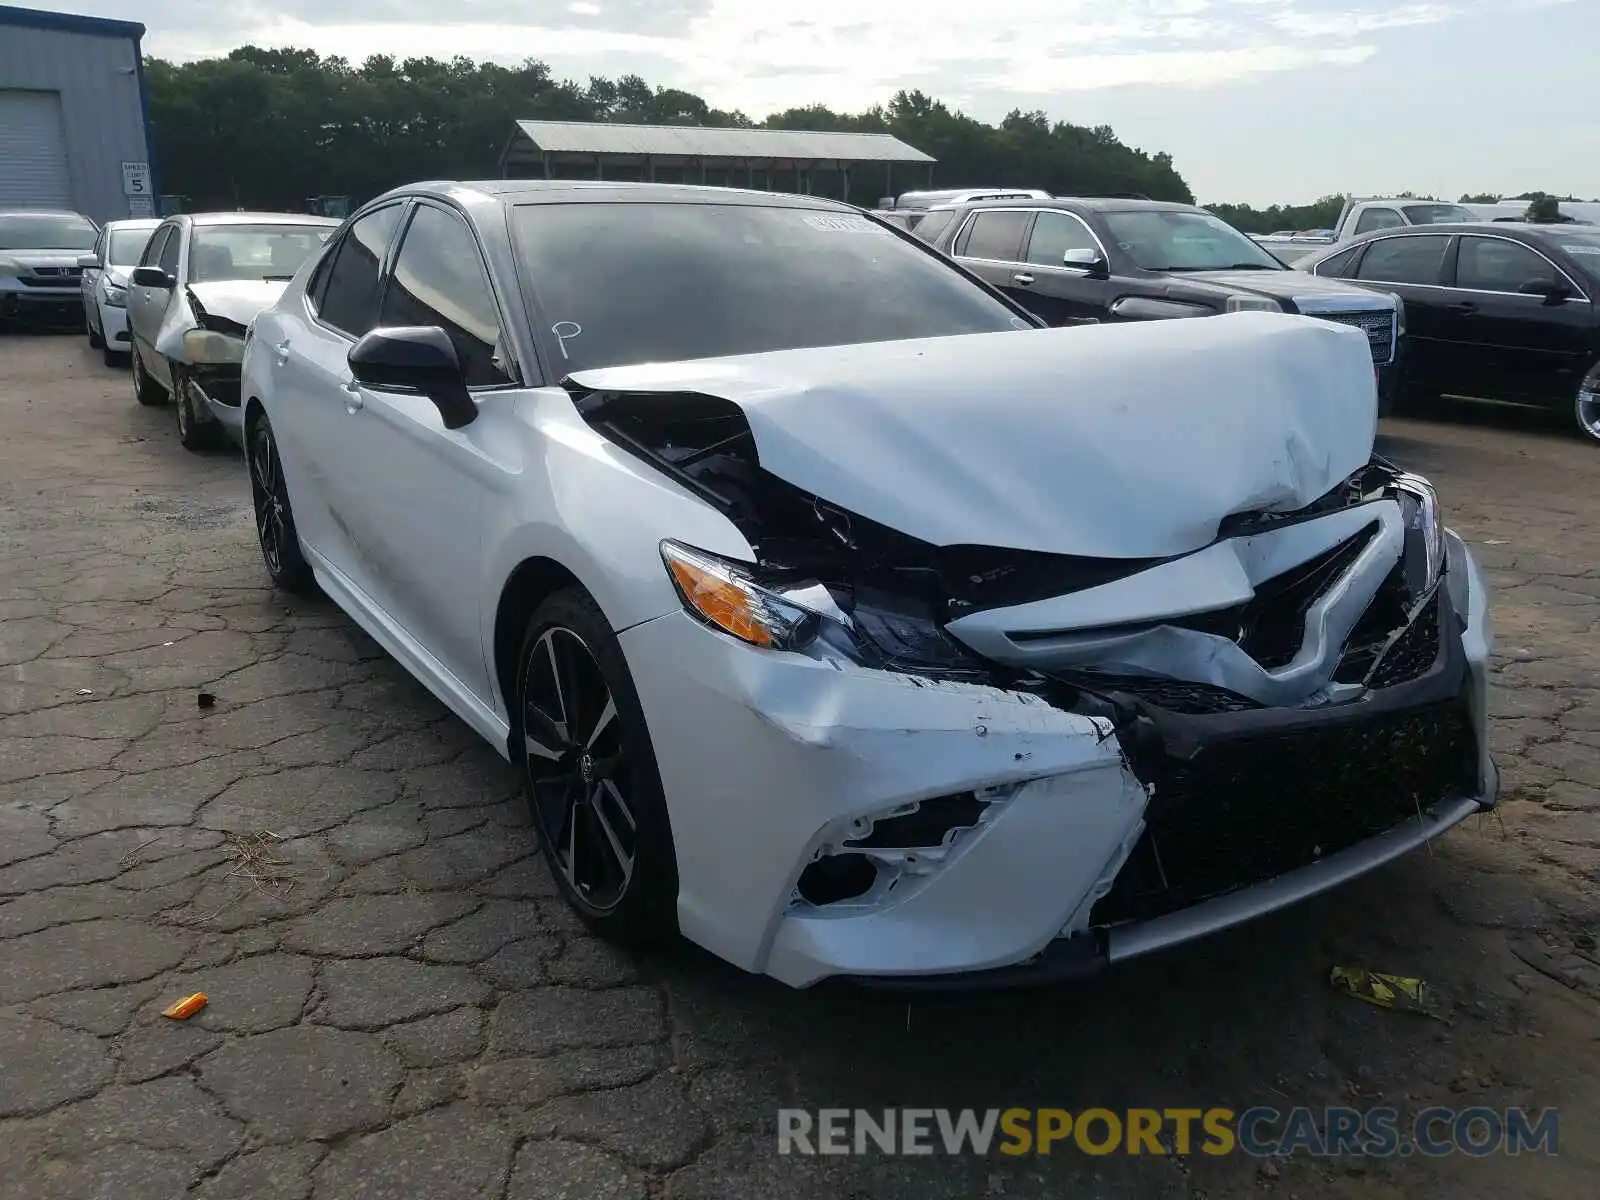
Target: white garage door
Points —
{"points": [[33, 151]]}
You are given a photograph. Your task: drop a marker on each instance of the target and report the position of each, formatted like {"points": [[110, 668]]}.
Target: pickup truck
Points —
{"points": [[1363, 216]]}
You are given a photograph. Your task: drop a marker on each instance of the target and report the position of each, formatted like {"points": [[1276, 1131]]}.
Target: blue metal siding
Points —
{"points": [[97, 73]]}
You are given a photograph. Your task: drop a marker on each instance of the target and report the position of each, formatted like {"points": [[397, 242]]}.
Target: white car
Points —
{"points": [[840, 617], [199, 283], [104, 285]]}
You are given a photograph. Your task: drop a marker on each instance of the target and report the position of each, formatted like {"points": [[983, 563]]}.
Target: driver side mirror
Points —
{"points": [[88, 262], [153, 277], [418, 358], [1090, 261], [1553, 290]]}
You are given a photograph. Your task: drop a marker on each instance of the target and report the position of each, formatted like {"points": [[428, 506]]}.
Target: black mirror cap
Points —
{"points": [[1551, 289], [418, 358], [153, 277]]}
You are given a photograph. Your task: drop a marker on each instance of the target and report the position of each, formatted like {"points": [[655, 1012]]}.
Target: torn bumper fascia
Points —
{"points": [[771, 757]]}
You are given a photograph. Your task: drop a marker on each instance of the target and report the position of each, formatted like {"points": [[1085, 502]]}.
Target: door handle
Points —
{"points": [[1466, 308], [353, 403], [1023, 279]]}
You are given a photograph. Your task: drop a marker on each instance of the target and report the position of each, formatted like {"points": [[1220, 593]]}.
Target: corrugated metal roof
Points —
{"points": [[696, 141]]}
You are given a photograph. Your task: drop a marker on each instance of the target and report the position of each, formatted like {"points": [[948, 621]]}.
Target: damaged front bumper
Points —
{"points": [[835, 820], [212, 379]]}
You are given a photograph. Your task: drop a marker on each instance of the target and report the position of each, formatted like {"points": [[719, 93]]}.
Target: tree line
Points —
{"points": [[271, 128]]}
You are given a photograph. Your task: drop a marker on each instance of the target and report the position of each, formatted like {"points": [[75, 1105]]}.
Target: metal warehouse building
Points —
{"points": [[793, 160], [74, 130]]}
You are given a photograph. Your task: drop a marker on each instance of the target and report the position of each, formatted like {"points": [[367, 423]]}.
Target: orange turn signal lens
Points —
{"points": [[718, 598]]}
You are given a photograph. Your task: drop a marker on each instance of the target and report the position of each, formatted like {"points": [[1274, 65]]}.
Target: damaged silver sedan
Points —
{"points": [[842, 619], [199, 283]]}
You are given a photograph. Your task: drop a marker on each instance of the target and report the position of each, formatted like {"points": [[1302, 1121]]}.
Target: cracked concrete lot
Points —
{"points": [[401, 1007]]}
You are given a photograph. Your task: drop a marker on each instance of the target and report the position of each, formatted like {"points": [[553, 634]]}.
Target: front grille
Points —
{"points": [[48, 277], [58, 272], [1377, 325], [1413, 652], [1246, 810]]}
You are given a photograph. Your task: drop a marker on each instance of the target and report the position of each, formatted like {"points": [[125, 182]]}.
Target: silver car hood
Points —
{"points": [[237, 300], [1107, 441]]}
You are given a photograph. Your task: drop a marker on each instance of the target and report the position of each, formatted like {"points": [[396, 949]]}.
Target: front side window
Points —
{"points": [[995, 235], [252, 251], [349, 295], [1185, 240], [611, 280], [1494, 265], [169, 252], [1379, 218], [1404, 259], [1054, 233], [152, 250], [47, 231], [439, 279]]}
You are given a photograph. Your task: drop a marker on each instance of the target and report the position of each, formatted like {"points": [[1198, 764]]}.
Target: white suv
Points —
{"points": [[105, 285]]}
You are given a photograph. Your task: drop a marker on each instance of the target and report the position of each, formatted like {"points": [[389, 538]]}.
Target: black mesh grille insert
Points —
{"points": [[1413, 652], [1246, 810], [1174, 695]]}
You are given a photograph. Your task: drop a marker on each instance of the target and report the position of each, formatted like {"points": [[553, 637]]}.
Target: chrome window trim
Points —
{"points": [[1579, 296], [1031, 209]]}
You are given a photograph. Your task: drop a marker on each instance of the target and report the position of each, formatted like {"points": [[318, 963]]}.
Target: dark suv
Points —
{"points": [[1079, 260]]}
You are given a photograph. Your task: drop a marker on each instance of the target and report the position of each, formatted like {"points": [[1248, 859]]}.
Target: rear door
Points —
{"points": [[1519, 347], [1412, 265], [1061, 294], [990, 245]]}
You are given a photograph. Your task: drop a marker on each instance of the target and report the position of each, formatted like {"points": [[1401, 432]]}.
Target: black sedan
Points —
{"points": [[1073, 260], [1499, 311]]}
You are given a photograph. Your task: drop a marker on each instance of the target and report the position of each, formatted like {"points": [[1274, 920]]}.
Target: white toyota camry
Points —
{"points": [[842, 618]]}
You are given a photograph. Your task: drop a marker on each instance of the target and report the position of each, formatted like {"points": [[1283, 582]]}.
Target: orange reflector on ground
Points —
{"points": [[187, 1007]]}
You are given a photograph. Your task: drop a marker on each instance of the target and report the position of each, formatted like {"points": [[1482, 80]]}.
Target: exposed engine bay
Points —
{"points": [[1282, 694]]}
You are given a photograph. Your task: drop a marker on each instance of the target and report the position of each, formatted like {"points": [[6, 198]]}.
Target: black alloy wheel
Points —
{"points": [[593, 786], [280, 542]]}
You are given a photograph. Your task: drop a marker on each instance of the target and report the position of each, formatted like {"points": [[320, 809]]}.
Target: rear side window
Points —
{"points": [[1379, 218], [1404, 259], [349, 299], [439, 279], [933, 224], [1338, 264], [995, 235]]}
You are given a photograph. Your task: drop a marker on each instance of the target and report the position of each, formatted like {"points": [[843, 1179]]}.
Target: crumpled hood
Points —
{"points": [[1110, 441], [237, 300]]}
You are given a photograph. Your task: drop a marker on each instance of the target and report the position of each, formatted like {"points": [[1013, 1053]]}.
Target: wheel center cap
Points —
{"points": [[586, 768]]}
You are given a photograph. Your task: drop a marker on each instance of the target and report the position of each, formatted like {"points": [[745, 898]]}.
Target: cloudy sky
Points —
{"points": [[1257, 100]]}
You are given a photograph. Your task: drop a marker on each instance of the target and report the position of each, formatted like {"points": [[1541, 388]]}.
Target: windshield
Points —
{"points": [[1180, 240], [1583, 247], [127, 245], [647, 282], [47, 231], [1438, 214], [252, 251]]}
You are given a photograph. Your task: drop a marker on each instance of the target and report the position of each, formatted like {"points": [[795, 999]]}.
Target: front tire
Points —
{"points": [[1586, 408], [590, 772], [97, 339], [145, 389], [275, 528], [193, 433]]}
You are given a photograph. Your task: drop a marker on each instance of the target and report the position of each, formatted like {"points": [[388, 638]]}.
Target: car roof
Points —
{"points": [[598, 191], [1093, 203], [259, 218]]}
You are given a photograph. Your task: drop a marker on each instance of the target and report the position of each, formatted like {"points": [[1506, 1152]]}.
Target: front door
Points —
{"points": [[422, 494], [1061, 294], [146, 305], [1520, 347]]}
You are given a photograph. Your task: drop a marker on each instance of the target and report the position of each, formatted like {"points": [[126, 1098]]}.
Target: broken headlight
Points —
{"points": [[1424, 546], [872, 628], [213, 348]]}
